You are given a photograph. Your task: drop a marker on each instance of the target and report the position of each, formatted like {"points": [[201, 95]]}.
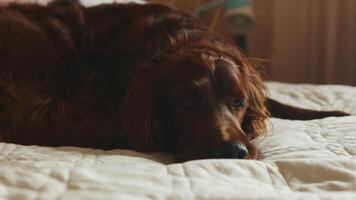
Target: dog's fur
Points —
{"points": [[143, 77]]}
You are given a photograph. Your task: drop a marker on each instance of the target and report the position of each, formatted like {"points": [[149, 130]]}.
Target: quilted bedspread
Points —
{"points": [[300, 160]]}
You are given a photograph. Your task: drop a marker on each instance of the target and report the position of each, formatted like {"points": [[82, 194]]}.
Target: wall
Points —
{"points": [[260, 37], [311, 41]]}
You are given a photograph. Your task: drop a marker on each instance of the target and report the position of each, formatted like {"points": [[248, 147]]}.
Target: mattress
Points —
{"points": [[300, 160]]}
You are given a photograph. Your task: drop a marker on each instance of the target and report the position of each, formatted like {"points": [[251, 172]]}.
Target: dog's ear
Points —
{"points": [[254, 121], [139, 122]]}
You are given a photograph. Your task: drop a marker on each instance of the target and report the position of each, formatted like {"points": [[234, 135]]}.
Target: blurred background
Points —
{"points": [[303, 41]]}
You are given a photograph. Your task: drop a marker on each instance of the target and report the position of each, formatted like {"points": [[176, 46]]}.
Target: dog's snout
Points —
{"points": [[231, 150]]}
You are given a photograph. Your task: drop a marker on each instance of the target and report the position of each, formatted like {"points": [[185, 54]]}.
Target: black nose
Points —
{"points": [[231, 150]]}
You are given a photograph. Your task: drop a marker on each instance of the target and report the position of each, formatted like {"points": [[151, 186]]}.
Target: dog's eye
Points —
{"points": [[238, 104], [187, 102]]}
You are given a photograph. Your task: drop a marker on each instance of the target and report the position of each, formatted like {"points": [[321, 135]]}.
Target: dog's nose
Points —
{"points": [[231, 150]]}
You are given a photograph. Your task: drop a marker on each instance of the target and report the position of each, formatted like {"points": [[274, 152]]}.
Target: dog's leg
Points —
{"points": [[29, 117], [284, 111]]}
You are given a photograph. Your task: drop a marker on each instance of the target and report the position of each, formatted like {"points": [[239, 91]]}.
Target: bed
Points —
{"points": [[299, 160]]}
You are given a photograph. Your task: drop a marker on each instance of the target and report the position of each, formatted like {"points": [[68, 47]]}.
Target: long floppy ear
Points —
{"points": [[255, 118], [139, 124]]}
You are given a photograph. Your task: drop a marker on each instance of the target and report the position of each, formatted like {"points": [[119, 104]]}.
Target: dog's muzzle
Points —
{"points": [[231, 149]]}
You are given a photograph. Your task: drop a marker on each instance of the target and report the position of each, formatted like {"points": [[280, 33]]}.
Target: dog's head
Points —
{"points": [[198, 99]]}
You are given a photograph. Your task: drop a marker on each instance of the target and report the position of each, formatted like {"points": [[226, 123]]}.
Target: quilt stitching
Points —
{"points": [[311, 131], [2, 146], [281, 175], [186, 176], [6, 156], [70, 172], [335, 143], [348, 152], [66, 183]]}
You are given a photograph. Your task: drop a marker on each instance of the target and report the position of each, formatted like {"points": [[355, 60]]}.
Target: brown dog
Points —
{"points": [[143, 77]]}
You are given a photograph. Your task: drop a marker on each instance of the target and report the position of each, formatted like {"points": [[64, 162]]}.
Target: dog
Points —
{"points": [[142, 77]]}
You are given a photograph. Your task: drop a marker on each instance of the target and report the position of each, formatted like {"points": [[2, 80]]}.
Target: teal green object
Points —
{"points": [[226, 4], [232, 4]]}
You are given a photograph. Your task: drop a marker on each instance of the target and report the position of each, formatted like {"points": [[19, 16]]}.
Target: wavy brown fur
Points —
{"points": [[93, 76]]}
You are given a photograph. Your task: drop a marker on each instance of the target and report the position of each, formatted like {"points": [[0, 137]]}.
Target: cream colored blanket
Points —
{"points": [[300, 160]]}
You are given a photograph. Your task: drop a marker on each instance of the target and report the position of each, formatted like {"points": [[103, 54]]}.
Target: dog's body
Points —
{"points": [[111, 76]]}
